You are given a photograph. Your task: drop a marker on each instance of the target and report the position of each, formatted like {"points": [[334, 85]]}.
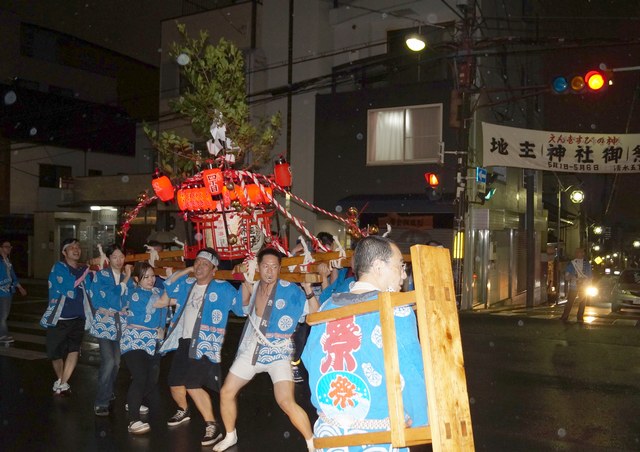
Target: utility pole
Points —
{"points": [[466, 67]]}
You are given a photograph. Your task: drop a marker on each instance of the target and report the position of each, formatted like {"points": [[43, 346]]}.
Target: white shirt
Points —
{"points": [[191, 310]]}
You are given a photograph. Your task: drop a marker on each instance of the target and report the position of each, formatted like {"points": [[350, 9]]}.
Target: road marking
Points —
{"points": [[626, 322]]}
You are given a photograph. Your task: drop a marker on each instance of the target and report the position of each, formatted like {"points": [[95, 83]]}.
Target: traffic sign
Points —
{"points": [[481, 179]]}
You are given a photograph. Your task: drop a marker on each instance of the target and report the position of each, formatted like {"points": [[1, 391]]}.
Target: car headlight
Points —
{"points": [[591, 291]]}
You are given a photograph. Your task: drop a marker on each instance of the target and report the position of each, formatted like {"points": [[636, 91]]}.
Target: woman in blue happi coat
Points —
{"points": [[143, 331], [107, 292]]}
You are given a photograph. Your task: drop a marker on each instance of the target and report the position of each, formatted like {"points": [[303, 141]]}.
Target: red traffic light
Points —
{"points": [[595, 80], [432, 179]]}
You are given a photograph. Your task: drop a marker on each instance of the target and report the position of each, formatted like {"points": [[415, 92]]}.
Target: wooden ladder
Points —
{"points": [[449, 426]]}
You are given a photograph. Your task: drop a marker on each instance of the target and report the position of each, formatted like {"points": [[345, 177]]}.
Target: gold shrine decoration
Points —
{"points": [[449, 426]]}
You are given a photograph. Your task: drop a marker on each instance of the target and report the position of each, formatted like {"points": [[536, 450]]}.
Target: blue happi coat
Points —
{"points": [[63, 285], [207, 338], [144, 324], [341, 284], [107, 299], [290, 306], [346, 372], [8, 278]]}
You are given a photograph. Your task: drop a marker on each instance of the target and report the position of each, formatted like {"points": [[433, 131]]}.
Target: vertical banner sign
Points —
{"points": [[571, 152]]}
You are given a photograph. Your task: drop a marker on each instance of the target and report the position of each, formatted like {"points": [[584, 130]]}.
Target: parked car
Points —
{"points": [[626, 292]]}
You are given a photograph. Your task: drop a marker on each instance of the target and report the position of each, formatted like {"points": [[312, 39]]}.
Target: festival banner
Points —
{"points": [[560, 151]]}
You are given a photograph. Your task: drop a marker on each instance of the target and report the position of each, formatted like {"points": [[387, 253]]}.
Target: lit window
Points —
{"points": [[404, 135]]}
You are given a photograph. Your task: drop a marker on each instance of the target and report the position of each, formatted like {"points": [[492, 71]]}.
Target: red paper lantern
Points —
{"points": [[237, 194], [182, 199], [163, 187], [253, 192], [282, 172], [213, 180]]}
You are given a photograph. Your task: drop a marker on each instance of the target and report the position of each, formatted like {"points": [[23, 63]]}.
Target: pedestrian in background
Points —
{"points": [[143, 330], [8, 285], [578, 274], [68, 313], [107, 290]]}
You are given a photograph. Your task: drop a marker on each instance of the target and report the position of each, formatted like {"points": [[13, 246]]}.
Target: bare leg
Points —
{"points": [[283, 390], [229, 409], [58, 366], [179, 394], [203, 403], [69, 366]]}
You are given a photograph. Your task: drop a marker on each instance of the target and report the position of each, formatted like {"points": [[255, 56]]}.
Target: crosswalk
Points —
{"points": [[596, 315]]}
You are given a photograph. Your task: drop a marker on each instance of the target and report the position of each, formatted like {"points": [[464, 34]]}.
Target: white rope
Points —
{"points": [[104, 260], [386, 234], [308, 258], [337, 263], [252, 266], [153, 255]]}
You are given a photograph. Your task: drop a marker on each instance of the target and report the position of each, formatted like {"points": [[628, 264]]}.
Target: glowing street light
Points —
{"points": [[597, 247], [636, 243], [598, 230], [576, 196]]}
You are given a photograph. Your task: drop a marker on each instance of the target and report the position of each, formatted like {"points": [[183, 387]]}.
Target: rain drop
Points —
{"points": [[198, 236], [491, 344], [286, 435], [359, 136], [472, 400], [562, 432], [124, 179], [338, 208], [103, 434], [33, 131], [520, 323], [593, 127]]}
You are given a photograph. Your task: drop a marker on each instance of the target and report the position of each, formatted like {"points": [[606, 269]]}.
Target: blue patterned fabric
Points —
{"points": [[341, 284], [290, 306], [346, 372], [107, 300], [8, 279], [220, 298], [142, 322], [62, 286]]}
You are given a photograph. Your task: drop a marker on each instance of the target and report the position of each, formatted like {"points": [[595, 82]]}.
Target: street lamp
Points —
{"points": [[597, 230], [577, 196], [636, 243], [416, 42]]}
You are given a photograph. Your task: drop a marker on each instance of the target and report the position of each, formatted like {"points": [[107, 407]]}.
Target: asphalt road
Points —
{"points": [[534, 383]]}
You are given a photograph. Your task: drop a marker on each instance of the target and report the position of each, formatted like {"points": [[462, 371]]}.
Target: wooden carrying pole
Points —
{"points": [[449, 426]]}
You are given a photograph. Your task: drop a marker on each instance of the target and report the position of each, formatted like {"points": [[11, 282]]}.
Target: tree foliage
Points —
{"points": [[214, 93]]}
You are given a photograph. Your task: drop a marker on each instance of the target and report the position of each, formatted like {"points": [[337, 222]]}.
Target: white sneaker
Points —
{"points": [[63, 389], [228, 441], [56, 385], [138, 427], [143, 408]]}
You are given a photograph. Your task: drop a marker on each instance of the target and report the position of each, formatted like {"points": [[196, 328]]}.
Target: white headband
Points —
{"points": [[68, 245], [208, 256]]}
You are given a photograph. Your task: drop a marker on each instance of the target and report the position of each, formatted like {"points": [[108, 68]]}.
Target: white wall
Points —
{"points": [[25, 161]]}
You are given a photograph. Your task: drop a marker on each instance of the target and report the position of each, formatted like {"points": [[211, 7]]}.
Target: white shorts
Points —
{"points": [[242, 367]]}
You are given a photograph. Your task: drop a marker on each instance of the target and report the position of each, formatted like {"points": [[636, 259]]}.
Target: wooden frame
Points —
{"points": [[449, 426]]}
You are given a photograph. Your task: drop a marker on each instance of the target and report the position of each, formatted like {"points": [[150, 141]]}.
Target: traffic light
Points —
{"points": [[434, 191], [593, 81], [489, 189], [432, 179]]}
